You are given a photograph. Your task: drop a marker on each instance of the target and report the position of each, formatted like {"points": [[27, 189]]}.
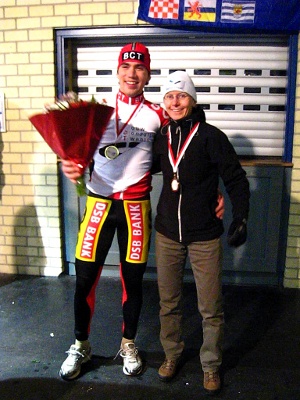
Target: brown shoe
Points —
{"points": [[167, 370], [212, 382]]}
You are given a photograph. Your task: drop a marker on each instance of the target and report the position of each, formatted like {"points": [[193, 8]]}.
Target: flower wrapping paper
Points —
{"points": [[74, 133]]}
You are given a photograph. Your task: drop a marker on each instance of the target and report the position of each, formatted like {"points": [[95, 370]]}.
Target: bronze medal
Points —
{"points": [[174, 161], [175, 183]]}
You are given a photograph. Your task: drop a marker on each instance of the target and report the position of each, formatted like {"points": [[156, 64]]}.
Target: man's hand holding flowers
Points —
{"points": [[71, 170], [72, 128]]}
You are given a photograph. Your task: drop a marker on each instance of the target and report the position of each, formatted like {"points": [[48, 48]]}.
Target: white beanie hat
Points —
{"points": [[180, 81]]}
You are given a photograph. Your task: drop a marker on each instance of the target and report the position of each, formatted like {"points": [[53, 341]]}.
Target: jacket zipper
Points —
{"points": [[179, 217], [178, 131]]}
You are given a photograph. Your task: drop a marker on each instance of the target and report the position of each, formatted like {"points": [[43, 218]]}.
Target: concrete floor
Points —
{"points": [[261, 358]]}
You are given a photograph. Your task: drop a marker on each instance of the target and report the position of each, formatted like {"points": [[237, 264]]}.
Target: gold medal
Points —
{"points": [[111, 152], [175, 183]]}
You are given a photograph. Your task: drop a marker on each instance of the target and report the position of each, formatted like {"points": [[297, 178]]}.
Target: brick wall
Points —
{"points": [[292, 266], [30, 232]]}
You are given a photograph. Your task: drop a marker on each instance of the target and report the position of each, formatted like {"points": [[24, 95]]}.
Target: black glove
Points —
{"points": [[237, 232]]}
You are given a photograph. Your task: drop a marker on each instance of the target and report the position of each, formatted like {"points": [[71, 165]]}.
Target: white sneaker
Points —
{"points": [[71, 367], [132, 363]]}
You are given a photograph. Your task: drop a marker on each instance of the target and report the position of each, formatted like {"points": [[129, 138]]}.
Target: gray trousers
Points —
{"points": [[206, 262]]}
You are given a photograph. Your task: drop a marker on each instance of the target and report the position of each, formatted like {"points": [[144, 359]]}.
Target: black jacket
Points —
{"points": [[188, 215]]}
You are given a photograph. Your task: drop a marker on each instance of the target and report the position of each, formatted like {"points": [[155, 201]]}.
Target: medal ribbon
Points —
{"points": [[119, 131], [175, 162]]}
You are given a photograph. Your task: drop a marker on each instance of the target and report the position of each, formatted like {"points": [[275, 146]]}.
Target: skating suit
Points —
{"points": [[118, 202]]}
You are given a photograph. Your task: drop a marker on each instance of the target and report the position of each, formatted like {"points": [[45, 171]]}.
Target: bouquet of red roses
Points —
{"points": [[72, 128]]}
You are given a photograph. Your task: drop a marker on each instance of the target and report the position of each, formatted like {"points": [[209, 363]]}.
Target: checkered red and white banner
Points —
{"points": [[164, 9]]}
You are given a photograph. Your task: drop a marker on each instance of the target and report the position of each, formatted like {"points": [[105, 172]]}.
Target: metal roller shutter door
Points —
{"points": [[241, 88]]}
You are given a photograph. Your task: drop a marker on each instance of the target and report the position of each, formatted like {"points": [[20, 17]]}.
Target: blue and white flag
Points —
{"points": [[242, 11]]}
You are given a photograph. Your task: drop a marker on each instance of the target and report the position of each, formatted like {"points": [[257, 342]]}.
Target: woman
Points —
{"points": [[192, 155]]}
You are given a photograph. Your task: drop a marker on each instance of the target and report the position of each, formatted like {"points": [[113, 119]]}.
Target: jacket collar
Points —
{"points": [[197, 115]]}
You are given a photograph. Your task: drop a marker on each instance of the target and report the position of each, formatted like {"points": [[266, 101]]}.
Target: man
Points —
{"points": [[192, 156], [118, 200]]}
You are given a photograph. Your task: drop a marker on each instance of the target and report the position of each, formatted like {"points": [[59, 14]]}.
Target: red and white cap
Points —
{"points": [[135, 52]]}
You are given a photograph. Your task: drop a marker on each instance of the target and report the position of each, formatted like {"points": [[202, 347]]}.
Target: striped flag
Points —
{"points": [[238, 11]]}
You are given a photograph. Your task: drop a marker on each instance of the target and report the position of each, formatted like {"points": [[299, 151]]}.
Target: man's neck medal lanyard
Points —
{"points": [[112, 152]]}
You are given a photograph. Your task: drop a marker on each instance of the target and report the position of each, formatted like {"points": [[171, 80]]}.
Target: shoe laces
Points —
{"points": [[211, 376], [128, 351], [169, 364], [76, 353]]}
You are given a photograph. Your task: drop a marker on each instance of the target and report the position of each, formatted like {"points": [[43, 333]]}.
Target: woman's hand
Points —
{"points": [[220, 209]]}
